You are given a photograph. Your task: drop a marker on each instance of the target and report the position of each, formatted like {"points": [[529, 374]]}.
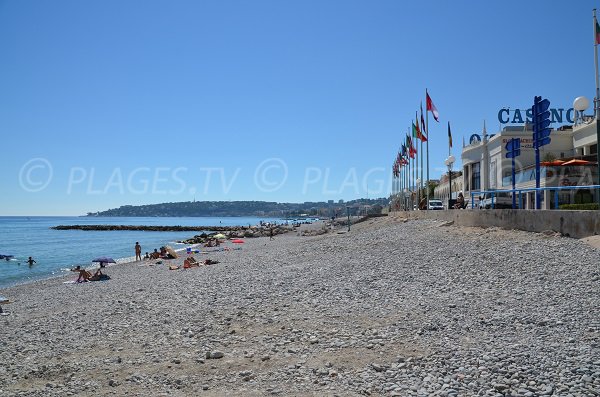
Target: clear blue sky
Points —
{"points": [[109, 103]]}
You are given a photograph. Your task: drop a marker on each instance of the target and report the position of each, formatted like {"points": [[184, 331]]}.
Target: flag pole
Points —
{"points": [[596, 102], [421, 184], [421, 167], [406, 174], [596, 66], [416, 173], [449, 136], [411, 181], [400, 182], [427, 148], [410, 171], [449, 166]]}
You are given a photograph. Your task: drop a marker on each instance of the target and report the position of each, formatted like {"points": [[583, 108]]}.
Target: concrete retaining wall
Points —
{"points": [[576, 224]]}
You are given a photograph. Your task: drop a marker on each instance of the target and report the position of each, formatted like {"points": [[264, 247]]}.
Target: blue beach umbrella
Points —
{"points": [[103, 260]]}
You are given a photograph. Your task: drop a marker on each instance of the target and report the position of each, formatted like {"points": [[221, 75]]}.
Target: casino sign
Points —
{"points": [[520, 116]]}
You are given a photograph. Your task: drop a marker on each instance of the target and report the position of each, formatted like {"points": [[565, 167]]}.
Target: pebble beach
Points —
{"points": [[394, 307]]}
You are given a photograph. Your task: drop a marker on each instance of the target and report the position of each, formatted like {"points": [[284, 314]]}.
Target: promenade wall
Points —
{"points": [[576, 224]]}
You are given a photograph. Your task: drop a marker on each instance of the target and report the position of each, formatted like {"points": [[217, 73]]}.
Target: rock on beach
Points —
{"points": [[391, 308]]}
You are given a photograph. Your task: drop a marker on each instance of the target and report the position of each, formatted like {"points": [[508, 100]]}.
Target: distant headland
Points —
{"points": [[247, 208]]}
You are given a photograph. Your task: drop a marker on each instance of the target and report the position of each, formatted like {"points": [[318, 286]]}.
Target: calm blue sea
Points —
{"points": [[56, 251]]}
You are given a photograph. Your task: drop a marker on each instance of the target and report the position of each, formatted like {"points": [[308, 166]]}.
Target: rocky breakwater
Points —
{"points": [[240, 232]]}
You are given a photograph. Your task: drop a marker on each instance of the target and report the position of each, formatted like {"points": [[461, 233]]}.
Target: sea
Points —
{"points": [[57, 251]]}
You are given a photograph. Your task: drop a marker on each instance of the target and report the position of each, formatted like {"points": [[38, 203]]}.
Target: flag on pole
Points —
{"points": [[450, 134], [597, 33], [415, 131], [431, 108], [419, 133], [412, 151], [423, 132]]}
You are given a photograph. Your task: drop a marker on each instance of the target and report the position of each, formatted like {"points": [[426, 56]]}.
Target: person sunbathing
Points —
{"points": [[190, 262], [84, 275], [210, 262], [99, 276]]}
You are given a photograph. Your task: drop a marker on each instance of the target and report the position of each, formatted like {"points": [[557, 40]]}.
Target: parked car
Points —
{"points": [[435, 204], [501, 200]]}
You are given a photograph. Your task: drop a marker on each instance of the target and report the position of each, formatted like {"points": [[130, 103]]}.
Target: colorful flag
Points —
{"points": [[450, 134], [431, 107], [597, 33], [415, 132], [421, 136], [424, 132], [411, 149]]}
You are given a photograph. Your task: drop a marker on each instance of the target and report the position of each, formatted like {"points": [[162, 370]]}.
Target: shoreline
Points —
{"points": [[393, 307], [64, 273], [56, 265]]}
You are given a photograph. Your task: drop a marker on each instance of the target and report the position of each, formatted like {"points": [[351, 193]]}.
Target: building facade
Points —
{"points": [[485, 166]]}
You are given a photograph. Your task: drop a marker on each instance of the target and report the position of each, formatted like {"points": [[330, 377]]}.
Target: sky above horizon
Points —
{"points": [[114, 103]]}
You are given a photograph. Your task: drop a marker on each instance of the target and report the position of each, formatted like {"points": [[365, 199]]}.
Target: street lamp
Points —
{"points": [[348, 212], [449, 161]]}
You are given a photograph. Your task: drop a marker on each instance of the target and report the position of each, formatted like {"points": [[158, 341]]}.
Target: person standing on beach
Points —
{"points": [[271, 233], [30, 261], [138, 251]]}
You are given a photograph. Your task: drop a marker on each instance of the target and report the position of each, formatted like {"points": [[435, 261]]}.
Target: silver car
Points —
{"points": [[435, 204], [501, 200]]}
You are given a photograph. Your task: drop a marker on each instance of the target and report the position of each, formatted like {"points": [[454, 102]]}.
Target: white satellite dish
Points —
{"points": [[581, 103]]}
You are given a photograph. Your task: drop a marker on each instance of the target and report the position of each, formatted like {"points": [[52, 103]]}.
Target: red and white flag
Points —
{"points": [[431, 108]]}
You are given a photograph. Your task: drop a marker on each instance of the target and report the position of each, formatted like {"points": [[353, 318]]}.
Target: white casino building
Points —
{"points": [[485, 166]]}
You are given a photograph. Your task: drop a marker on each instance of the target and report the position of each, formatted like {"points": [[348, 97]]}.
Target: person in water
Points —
{"points": [[30, 261]]}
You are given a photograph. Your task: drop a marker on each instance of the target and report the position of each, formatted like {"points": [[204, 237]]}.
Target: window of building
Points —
{"points": [[594, 149], [475, 177]]}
